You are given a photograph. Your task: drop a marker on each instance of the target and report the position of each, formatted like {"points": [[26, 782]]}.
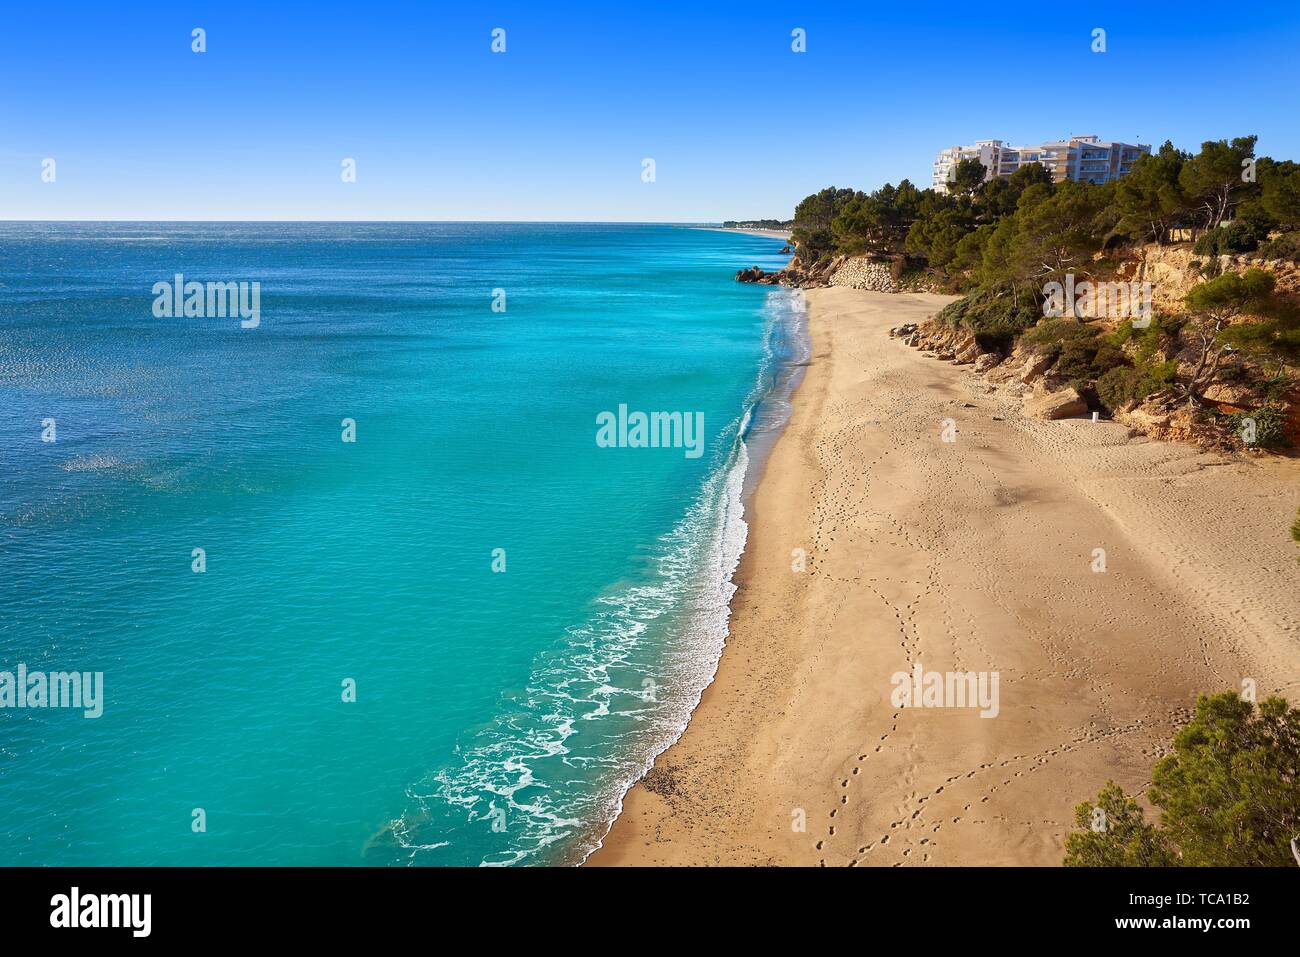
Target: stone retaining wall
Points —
{"points": [[863, 273]]}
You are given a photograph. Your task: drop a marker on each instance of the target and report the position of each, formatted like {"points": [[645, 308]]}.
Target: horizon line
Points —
{"points": [[481, 222]]}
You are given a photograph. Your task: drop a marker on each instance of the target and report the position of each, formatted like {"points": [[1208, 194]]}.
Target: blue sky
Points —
{"points": [[556, 128]]}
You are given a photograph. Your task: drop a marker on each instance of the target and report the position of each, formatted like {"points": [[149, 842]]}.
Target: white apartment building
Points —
{"points": [[1085, 159]]}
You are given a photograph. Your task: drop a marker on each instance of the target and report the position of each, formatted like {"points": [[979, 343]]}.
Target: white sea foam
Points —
{"points": [[96, 462], [670, 629]]}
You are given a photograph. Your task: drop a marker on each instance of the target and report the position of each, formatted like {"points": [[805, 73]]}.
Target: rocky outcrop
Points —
{"points": [[1027, 377], [795, 274], [1034, 366], [1062, 403], [960, 346], [945, 342], [1230, 396], [1167, 421], [1008, 370], [849, 272], [1051, 397], [1150, 419], [1170, 271]]}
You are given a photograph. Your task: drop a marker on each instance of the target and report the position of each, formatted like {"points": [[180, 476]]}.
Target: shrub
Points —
{"points": [[1120, 386], [1082, 354], [1083, 361], [1277, 388], [1229, 795], [1051, 336], [1286, 246], [1113, 833], [1210, 269], [1295, 529], [1124, 384], [995, 320], [1147, 342], [1107, 357], [1242, 236], [912, 276], [1269, 423]]}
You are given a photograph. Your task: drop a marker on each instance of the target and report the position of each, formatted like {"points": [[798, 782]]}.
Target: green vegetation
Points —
{"points": [[967, 176], [1150, 200], [1286, 246], [1000, 242], [1267, 425], [1212, 308], [1081, 353], [1239, 237], [994, 320], [1051, 336], [1211, 182], [811, 228], [1026, 227], [756, 224], [1228, 796], [1149, 369], [1274, 334], [1125, 384]]}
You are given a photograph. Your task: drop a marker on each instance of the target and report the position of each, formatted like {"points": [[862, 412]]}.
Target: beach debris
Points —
{"points": [[661, 781]]}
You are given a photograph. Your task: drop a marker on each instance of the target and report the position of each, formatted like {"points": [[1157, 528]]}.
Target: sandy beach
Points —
{"points": [[747, 231], [976, 555]]}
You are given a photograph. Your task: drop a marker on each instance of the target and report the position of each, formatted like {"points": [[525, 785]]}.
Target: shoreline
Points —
{"points": [[756, 231], [759, 440], [974, 557]]}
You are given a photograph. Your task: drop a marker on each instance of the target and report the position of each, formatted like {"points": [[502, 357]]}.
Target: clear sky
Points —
{"points": [[556, 128]]}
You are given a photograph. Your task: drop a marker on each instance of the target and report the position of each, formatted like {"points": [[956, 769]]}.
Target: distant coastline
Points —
{"points": [[749, 231]]}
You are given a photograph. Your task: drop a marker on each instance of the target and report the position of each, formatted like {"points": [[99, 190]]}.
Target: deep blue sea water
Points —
{"points": [[498, 715]]}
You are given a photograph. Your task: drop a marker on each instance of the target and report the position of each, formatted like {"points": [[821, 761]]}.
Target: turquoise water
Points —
{"points": [[499, 715]]}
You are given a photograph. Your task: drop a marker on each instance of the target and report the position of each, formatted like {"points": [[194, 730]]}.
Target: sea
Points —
{"points": [[359, 582]]}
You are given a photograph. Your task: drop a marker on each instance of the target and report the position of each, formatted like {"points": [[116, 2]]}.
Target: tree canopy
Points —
{"points": [[1001, 241], [966, 176], [1228, 796], [1057, 224]]}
